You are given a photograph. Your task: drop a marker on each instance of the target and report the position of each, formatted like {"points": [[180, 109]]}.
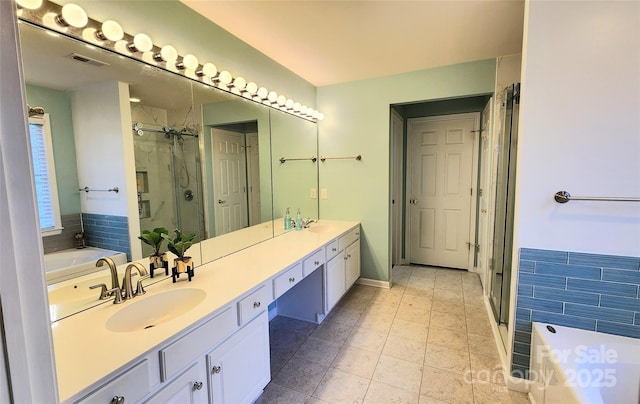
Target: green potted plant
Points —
{"points": [[179, 246], [154, 238]]}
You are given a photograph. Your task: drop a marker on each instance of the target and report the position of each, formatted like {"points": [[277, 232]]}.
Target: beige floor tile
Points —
{"points": [[453, 360], [449, 283], [452, 295], [281, 322], [356, 304], [418, 291], [413, 312], [443, 319], [301, 375], [409, 329], [367, 339], [428, 400], [333, 331], [362, 291], [447, 306], [447, 338], [417, 301], [405, 349], [278, 359], [482, 345], [357, 361], [343, 315], [318, 350], [379, 392], [477, 325], [487, 393], [381, 308], [445, 386], [398, 373], [487, 369], [276, 394], [286, 341], [341, 387], [376, 322], [387, 298]]}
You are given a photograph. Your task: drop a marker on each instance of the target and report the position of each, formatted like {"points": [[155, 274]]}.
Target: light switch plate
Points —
{"points": [[323, 193], [314, 193]]}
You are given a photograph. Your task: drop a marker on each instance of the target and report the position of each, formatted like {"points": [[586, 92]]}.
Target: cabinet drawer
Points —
{"points": [[356, 233], [312, 262], [348, 238], [254, 304], [333, 248], [185, 350], [133, 384], [287, 280]]}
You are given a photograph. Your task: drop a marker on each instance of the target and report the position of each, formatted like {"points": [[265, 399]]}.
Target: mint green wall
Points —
{"points": [[171, 22], [291, 138], [357, 117], [58, 105]]}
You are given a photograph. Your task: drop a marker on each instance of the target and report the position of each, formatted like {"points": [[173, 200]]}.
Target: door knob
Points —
{"points": [[413, 201], [221, 201]]}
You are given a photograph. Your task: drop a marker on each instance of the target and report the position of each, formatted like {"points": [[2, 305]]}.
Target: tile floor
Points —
{"points": [[426, 340]]}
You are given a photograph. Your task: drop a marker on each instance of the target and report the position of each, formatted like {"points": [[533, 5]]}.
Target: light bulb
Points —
{"points": [[239, 83], [288, 104], [111, 31], [296, 106], [141, 43], [262, 93], [167, 54], [252, 88], [310, 112], [188, 62], [225, 77], [208, 69], [281, 100], [303, 109], [30, 4], [320, 116], [72, 15], [272, 96]]}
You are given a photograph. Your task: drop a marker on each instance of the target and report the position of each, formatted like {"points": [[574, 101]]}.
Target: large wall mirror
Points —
{"points": [[181, 155]]}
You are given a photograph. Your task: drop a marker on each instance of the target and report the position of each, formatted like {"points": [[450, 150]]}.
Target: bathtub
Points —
{"points": [[67, 264], [569, 365]]}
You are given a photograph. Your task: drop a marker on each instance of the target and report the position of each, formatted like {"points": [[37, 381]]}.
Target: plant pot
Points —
{"points": [[157, 261], [181, 266]]}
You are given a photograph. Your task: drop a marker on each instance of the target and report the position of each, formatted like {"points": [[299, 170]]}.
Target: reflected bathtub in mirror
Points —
{"points": [[67, 264]]}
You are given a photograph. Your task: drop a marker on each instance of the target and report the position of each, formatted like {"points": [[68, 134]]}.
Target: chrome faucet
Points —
{"points": [[307, 222], [115, 286], [127, 286]]}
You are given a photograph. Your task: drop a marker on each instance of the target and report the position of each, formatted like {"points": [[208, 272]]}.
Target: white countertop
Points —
{"points": [[86, 351]]}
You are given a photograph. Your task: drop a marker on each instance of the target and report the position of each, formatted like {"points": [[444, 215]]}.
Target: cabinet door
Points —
{"points": [[353, 263], [335, 280], [190, 387], [239, 368]]}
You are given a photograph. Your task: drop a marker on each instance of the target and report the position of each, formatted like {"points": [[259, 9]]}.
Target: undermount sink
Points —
{"points": [[155, 309], [319, 228]]}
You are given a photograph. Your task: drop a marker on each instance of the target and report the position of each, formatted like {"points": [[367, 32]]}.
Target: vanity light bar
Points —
{"points": [[72, 20]]}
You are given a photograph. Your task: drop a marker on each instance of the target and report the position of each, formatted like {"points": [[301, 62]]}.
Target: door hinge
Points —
{"points": [[476, 247], [480, 192]]}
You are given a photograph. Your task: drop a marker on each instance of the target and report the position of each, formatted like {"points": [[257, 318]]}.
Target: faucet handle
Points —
{"points": [[103, 291], [117, 293], [140, 289]]}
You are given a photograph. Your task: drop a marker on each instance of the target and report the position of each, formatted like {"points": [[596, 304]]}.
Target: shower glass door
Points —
{"points": [[500, 264], [167, 161]]}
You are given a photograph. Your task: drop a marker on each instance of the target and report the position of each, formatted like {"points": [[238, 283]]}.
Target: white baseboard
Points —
{"points": [[374, 282]]}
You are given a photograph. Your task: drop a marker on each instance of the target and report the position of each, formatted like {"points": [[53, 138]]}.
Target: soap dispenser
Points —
{"points": [[298, 220], [287, 220]]}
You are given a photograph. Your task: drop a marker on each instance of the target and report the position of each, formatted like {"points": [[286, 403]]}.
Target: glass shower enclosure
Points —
{"points": [[500, 263]]}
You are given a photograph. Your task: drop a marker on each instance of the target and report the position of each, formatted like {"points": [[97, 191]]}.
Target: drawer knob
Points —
{"points": [[197, 385], [256, 305], [216, 369], [291, 280], [334, 249], [117, 400], [316, 262]]}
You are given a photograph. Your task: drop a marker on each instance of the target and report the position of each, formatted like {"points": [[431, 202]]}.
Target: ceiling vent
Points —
{"points": [[86, 59]]}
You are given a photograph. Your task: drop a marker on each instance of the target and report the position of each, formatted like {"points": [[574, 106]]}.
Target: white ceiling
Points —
{"points": [[329, 42]]}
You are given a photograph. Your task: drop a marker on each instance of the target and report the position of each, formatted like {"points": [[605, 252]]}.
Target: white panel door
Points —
{"points": [[439, 189], [229, 181]]}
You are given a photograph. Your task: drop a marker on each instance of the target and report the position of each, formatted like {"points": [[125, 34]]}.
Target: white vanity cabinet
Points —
{"points": [[343, 269], [239, 368], [189, 387]]}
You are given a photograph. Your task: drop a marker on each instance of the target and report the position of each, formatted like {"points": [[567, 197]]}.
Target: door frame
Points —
{"points": [[474, 179], [397, 194]]}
